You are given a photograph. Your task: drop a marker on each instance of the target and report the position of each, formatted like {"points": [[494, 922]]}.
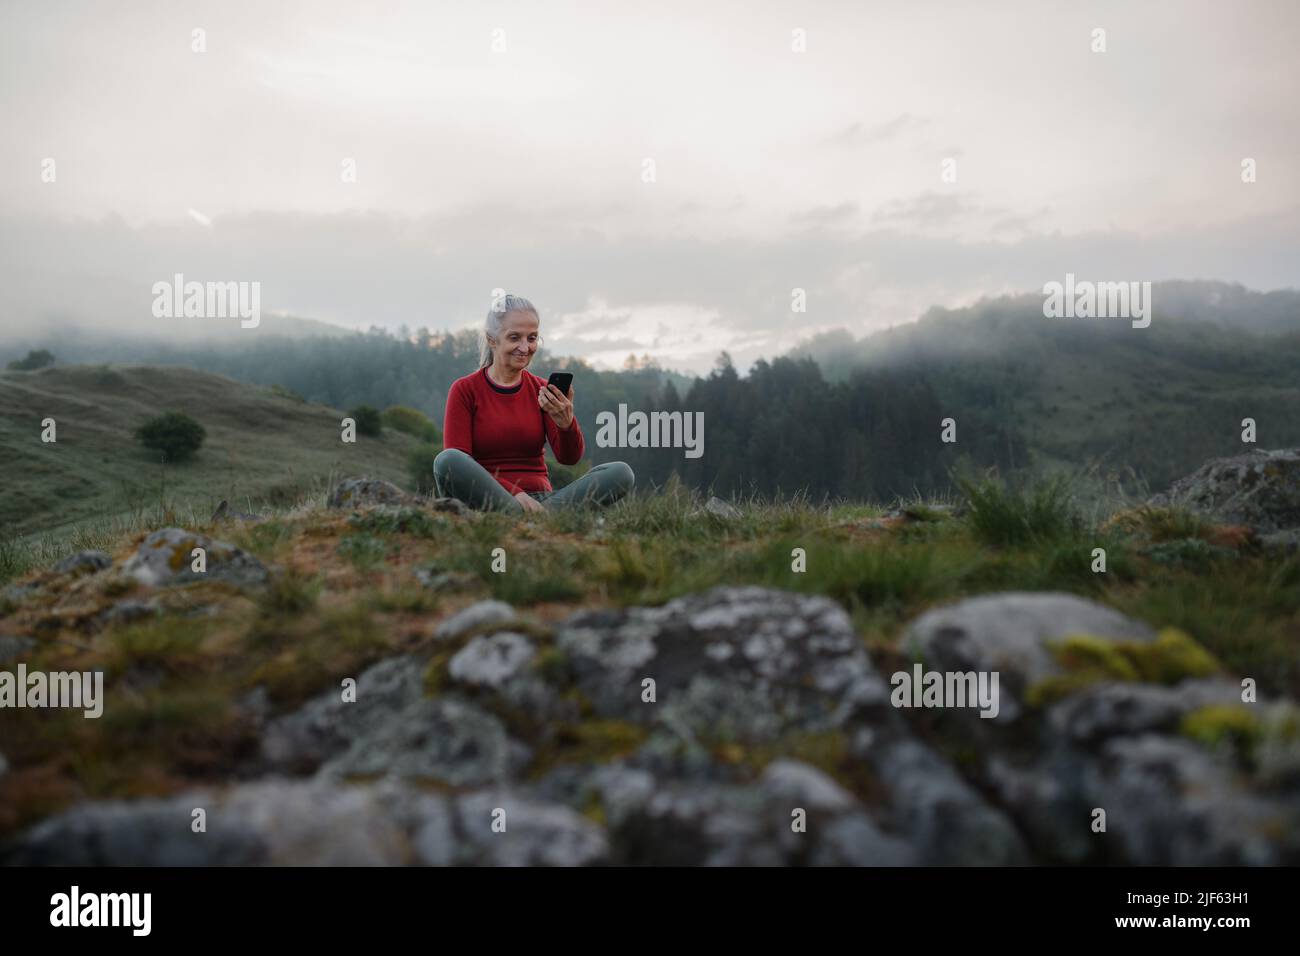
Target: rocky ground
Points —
{"points": [[323, 704]]}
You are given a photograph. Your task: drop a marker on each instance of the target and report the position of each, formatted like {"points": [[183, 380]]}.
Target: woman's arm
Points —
{"points": [[562, 429]]}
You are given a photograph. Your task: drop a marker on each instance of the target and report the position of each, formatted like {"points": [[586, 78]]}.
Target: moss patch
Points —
{"points": [[1222, 724], [1087, 659]]}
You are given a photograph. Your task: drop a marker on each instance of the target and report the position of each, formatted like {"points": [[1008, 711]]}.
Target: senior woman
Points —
{"points": [[499, 418]]}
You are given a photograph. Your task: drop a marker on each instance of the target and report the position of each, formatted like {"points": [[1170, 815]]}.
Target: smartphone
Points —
{"points": [[562, 381]]}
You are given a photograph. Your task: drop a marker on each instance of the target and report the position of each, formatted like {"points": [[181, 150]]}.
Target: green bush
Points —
{"points": [[174, 434], [369, 421], [1005, 515], [412, 422], [34, 360], [419, 465]]}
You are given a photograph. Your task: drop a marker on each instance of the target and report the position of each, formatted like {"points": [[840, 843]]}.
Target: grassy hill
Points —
{"points": [[262, 448]]}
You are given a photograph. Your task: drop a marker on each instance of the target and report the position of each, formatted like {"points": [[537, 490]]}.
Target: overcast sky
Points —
{"points": [[523, 168]]}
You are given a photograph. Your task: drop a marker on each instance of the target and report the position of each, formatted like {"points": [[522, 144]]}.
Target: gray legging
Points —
{"points": [[457, 475]]}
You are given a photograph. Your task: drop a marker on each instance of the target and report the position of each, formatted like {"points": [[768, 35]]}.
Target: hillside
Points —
{"points": [[261, 448], [1157, 400]]}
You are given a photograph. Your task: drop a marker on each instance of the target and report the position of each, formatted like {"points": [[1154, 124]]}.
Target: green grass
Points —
{"points": [[344, 595], [1006, 515], [263, 450]]}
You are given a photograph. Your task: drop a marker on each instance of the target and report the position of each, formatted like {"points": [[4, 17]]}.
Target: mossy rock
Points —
{"points": [[1221, 724], [1087, 659]]}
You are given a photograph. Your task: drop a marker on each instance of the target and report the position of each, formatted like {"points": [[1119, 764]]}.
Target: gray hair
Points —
{"points": [[496, 320]]}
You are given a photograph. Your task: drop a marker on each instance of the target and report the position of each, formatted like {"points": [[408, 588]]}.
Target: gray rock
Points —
{"points": [[266, 823], [1258, 488], [1009, 633], [364, 492], [484, 614], [165, 558], [535, 834], [323, 728], [89, 561], [443, 740], [1281, 542], [393, 729], [670, 822], [224, 513], [946, 821], [453, 505], [741, 664], [14, 646], [1179, 803], [721, 509], [1044, 794], [492, 660], [294, 823], [1170, 803], [1116, 709], [436, 580], [805, 786]]}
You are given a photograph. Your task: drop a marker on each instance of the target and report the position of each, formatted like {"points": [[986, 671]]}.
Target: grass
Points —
{"points": [[345, 594], [1004, 515]]}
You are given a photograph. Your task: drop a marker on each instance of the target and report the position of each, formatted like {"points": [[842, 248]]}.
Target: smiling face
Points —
{"points": [[518, 341]]}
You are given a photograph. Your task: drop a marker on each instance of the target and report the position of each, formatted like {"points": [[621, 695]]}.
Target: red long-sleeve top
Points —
{"points": [[503, 429]]}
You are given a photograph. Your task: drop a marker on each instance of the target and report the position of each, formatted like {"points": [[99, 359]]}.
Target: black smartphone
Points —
{"points": [[562, 381]]}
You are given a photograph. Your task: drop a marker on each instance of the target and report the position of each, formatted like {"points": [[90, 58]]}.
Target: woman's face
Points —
{"points": [[515, 347]]}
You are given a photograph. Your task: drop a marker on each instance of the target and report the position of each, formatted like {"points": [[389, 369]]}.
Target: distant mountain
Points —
{"points": [[1158, 400]]}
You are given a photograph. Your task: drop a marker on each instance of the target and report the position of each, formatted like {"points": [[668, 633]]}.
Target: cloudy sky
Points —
{"points": [[505, 145]]}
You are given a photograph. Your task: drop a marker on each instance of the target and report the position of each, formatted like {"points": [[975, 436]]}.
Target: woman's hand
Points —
{"points": [[556, 404], [528, 501]]}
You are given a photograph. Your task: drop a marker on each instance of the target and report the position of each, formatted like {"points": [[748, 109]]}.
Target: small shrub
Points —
{"points": [[176, 435], [1007, 516], [39, 358], [419, 466], [108, 378], [1161, 524], [412, 521], [364, 551], [291, 592], [413, 422], [369, 422]]}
